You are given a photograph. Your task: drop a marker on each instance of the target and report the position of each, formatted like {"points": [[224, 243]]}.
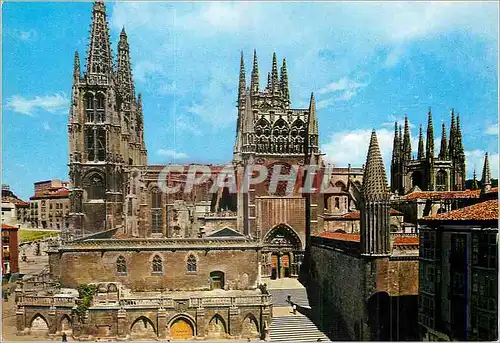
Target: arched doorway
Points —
{"points": [[39, 326], [216, 327], [65, 325], [181, 328], [249, 327], [282, 253], [142, 328]]}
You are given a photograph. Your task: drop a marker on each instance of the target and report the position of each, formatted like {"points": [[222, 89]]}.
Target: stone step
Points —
{"points": [[298, 296], [295, 328]]}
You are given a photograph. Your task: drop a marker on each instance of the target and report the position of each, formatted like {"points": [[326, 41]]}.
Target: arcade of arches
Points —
{"points": [[282, 254]]}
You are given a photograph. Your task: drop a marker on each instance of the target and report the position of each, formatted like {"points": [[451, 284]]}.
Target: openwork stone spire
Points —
{"points": [[269, 83], [453, 137], [76, 67], [274, 75], [421, 154], [284, 82], [486, 177], [407, 141], [396, 147], [430, 137], [374, 204], [99, 58], [475, 184], [242, 83], [254, 83], [443, 152], [124, 75]]}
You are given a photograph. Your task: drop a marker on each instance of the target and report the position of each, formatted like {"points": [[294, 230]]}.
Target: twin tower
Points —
{"points": [[426, 171]]}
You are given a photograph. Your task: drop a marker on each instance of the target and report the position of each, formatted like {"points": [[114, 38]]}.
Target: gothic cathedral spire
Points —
{"points": [[99, 58], [486, 177], [274, 76], [124, 74], [374, 203], [312, 126], [254, 86], [421, 153], [284, 83], [430, 137], [407, 141], [242, 82], [443, 152], [76, 68]]}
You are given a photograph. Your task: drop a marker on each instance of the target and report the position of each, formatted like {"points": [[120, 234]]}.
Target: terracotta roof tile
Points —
{"points": [[351, 237], [467, 194], [486, 210], [61, 192], [9, 227]]}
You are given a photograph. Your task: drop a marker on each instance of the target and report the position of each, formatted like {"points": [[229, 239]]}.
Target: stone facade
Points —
{"points": [[428, 172]]}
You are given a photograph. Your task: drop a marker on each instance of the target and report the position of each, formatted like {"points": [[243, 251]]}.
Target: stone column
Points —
{"points": [[162, 323], [20, 319], [52, 320], [234, 322], [200, 322], [122, 323]]}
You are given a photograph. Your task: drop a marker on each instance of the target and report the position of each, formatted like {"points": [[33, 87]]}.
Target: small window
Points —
{"points": [[121, 265], [157, 264], [191, 263], [337, 203]]}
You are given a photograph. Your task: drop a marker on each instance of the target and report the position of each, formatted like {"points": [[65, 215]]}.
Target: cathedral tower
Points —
{"points": [[105, 132]]}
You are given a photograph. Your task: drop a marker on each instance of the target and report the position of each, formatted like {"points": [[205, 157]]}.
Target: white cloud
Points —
{"points": [[352, 147], [46, 126], [343, 84], [474, 159], [57, 103], [492, 130], [172, 154], [24, 35]]}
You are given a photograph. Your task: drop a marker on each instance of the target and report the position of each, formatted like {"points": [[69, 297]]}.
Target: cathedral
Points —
{"points": [[426, 172]]}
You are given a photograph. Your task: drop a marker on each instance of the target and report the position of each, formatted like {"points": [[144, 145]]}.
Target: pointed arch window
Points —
{"points": [[121, 265], [263, 135], [101, 108], [96, 188], [157, 264], [191, 263], [441, 181], [89, 107], [156, 210]]}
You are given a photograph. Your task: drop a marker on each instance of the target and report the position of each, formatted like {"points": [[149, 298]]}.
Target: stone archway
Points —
{"points": [[249, 327], [283, 252], [181, 328], [216, 327], [142, 328], [39, 325], [65, 324]]}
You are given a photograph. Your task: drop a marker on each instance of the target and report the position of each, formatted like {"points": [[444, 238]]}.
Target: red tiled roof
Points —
{"points": [[406, 240], [9, 227], [356, 215], [15, 201], [467, 194], [61, 192], [486, 210], [351, 237]]}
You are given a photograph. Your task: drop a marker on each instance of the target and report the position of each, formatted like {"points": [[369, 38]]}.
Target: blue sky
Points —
{"points": [[368, 64]]}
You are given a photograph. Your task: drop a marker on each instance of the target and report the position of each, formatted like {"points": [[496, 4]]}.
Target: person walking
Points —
{"points": [[64, 338]]}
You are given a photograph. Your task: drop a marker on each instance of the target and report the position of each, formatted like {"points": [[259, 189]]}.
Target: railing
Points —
{"points": [[43, 300], [198, 302]]}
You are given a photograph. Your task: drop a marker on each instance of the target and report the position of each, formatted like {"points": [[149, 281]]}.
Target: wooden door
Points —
{"points": [[181, 329], [285, 263], [274, 266]]}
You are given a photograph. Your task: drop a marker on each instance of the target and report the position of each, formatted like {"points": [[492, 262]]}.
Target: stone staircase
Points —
{"points": [[295, 328], [287, 327]]}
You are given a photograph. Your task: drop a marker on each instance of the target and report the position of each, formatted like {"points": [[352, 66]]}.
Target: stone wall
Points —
{"points": [[337, 282], [240, 268]]}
